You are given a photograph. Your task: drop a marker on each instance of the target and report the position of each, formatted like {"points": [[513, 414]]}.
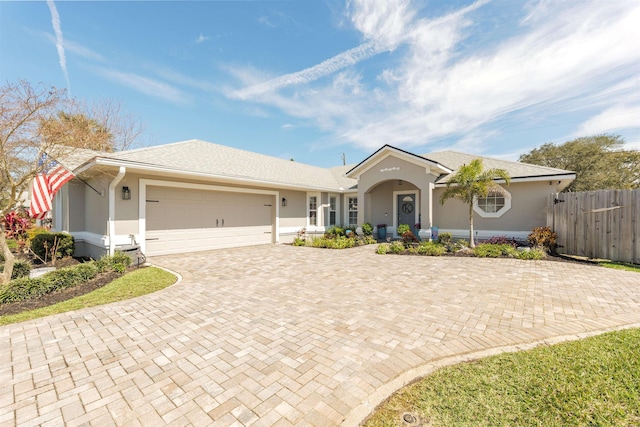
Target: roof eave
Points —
{"points": [[145, 167], [568, 177]]}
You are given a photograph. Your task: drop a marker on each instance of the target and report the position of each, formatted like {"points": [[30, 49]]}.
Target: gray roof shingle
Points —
{"points": [[453, 160], [208, 158]]}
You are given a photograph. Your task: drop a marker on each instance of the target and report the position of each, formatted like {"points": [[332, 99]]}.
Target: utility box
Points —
{"points": [[133, 251]]}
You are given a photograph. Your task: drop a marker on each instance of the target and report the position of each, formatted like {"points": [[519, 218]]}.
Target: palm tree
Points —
{"points": [[470, 182]]}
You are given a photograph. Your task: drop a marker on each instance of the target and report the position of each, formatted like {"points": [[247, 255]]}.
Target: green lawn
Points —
{"points": [[621, 266], [591, 382], [136, 283]]}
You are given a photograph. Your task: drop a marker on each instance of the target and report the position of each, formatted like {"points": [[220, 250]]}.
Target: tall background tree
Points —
{"points": [[471, 182], [101, 126], [39, 119], [599, 161]]}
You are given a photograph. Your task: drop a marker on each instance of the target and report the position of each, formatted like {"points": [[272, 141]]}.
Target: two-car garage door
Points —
{"points": [[184, 219]]}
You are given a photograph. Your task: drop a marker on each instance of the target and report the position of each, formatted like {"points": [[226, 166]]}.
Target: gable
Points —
{"points": [[378, 158]]}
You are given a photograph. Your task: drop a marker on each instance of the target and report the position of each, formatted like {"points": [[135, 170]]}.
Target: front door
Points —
{"points": [[406, 209]]}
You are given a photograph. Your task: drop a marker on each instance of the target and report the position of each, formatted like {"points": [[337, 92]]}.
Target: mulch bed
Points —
{"points": [[97, 282]]}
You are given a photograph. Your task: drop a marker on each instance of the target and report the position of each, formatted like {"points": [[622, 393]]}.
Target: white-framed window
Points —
{"points": [[333, 210], [352, 207], [313, 210], [494, 205]]}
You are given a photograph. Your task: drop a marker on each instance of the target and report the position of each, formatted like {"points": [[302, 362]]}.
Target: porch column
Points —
{"points": [[426, 204], [361, 206]]}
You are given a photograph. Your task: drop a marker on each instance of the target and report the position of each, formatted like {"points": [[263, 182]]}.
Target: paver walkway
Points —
{"points": [[278, 335]]}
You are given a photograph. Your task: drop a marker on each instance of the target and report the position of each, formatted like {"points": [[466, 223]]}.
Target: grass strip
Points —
{"points": [[621, 266], [590, 382], [131, 285]]}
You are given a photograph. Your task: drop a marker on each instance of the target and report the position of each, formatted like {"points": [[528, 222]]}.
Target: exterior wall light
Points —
{"points": [[126, 193], [284, 202]]}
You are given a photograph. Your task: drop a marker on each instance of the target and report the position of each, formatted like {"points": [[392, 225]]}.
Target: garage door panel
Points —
{"points": [[183, 220]]}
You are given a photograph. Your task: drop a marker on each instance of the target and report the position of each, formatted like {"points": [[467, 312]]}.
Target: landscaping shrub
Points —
{"points": [[445, 238], [341, 242], [298, 241], [408, 237], [403, 228], [502, 240], [118, 262], [396, 247], [489, 250], [334, 231], [34, 231], [367, 229], [383, 248], [431, 249], [26, 288], [544, 237], [367, 240], [16, 224], [20, 268], [43, 245], [533, 254]]}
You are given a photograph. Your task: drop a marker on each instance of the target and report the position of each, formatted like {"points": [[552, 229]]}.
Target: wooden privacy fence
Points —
{"points": [[597, 224]]}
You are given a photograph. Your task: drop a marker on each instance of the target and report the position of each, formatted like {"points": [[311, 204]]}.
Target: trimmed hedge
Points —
{"points": [[26, 288], [20, 269], [65, 242]]}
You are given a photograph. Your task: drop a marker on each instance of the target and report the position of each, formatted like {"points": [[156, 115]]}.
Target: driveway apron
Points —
{"points": [[281, 335]]}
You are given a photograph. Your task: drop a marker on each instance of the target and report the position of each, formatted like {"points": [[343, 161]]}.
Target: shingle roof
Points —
{"points": [[198, 156], [208, 158], [74, 157], [453, 160]]}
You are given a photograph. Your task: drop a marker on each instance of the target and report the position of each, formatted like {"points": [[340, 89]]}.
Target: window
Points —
{"points": [[494, 205], [332, 210], [313, 210], [353, 210]]}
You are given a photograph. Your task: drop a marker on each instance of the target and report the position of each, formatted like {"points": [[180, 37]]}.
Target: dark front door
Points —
{"points": [[406, 209]]}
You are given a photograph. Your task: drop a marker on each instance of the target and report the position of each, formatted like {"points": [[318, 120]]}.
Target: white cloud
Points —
{"points": [[325, 68], [201, 38], [55, 22], [184, 80], [382, 24], [146, 85], [77, 48], [612, 119], [564, 57]]}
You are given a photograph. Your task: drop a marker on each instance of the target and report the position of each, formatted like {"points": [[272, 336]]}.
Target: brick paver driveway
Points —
{"points": [[277, 335]]}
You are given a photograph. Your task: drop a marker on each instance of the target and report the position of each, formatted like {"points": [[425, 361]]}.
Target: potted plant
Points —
{"points": [[382, 231]]}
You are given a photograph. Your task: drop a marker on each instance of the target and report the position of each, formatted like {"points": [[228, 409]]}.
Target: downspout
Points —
{"points": [[112, 209]]}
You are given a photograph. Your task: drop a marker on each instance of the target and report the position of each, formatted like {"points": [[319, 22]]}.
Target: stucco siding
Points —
{"points": [[393, 168], [295, 213], [96, 213], [76, 206], [528, 210]]}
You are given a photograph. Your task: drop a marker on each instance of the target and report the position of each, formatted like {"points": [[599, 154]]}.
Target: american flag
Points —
{"points": [[45, 186]]}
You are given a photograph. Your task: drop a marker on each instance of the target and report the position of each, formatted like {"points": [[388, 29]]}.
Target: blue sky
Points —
{"points": [[310, 80]]}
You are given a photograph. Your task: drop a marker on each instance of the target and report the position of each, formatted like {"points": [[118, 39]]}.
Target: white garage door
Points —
{"points": [[185, 220]]}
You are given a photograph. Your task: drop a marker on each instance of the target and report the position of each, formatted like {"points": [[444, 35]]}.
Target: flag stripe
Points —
{"points": [[45, 186], [58, 177], [40, 196]]}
